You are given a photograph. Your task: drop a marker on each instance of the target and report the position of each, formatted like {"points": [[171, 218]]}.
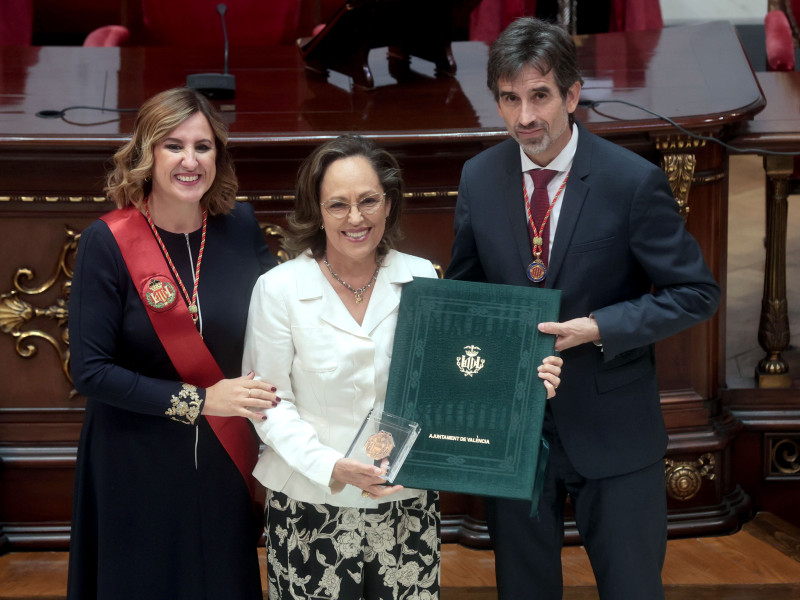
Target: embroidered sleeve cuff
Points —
{"points": [[186, 406]]}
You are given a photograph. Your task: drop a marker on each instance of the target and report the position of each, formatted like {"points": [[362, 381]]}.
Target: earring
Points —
{"points": [[322, 226]]}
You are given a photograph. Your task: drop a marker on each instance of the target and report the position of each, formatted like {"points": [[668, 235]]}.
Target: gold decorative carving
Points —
{"points": [[784, 457], [66, 259], [680, 172], [447, 194], [16, 312], [265, 198], [671, 144], [679, 162], [277, 233], [684, 479], [705, 178], [242, 198], [53, 199], [773, 336]]}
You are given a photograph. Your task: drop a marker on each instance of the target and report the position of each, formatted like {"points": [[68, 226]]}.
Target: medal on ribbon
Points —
{"points": [[537, 270]]}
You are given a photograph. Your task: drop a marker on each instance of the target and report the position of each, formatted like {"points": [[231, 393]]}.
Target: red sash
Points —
{"points": [[179, 336]]}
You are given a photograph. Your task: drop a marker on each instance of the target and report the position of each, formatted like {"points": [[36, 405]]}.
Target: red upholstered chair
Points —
{"points": [[189, 23], [782, 37], [782, 34], [108, 35]]}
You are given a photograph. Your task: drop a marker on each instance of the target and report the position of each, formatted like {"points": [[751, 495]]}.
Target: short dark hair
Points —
{"points": [[129, 183], [533, 42], [305, 232]]}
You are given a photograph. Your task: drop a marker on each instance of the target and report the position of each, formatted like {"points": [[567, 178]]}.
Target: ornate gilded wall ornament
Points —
{"points": [[783, 457], [470, 363], [684, 479], [16, 312], [278, 233], [680, 171], [678, 162], [54, 199]]}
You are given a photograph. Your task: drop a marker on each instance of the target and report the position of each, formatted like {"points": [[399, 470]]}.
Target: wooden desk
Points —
{"points": [[777, 129], [51, 188], [766, 450]]}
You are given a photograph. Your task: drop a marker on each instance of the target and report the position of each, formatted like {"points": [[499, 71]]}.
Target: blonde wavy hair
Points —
{"points": [[128, 183]]}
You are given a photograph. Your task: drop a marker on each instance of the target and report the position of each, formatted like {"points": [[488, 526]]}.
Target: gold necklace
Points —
{"points": [[359, 293], [192, 302]]}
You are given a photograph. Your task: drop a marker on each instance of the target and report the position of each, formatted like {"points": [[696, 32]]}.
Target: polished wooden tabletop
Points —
{"points": [[695, 74], [777, 127]]}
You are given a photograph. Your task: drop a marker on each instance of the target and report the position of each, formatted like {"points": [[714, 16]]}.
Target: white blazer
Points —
{"points": [[329, 372]]}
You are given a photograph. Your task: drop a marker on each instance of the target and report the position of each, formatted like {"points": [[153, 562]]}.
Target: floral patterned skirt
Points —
{"points": [[391, 552]]}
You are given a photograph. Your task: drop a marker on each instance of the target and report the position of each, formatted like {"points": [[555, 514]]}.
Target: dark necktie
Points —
{"points": [[540, 206]]}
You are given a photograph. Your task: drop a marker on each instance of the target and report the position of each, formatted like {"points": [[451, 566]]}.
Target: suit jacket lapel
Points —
{"points": [[572, 204], [514, 204], [386, 295], [312, 286]]}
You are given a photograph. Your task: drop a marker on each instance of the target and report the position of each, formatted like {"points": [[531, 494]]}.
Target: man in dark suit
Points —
{"points": [[630, 274]]}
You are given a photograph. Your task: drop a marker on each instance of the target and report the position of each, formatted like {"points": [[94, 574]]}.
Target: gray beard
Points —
{"points": [[534, 148]]}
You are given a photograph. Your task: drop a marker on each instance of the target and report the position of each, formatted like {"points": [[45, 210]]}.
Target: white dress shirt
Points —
{"points": [[562, 164], [329, 372]]}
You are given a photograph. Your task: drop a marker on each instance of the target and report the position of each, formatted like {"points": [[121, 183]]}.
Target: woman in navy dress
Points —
{"points": [[160, 508]]}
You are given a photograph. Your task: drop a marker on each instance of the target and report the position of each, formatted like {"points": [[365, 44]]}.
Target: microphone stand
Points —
{"points": [[216, 86]]}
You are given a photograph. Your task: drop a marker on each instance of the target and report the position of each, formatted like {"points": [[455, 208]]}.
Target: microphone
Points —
{"points": [[217, 86]]}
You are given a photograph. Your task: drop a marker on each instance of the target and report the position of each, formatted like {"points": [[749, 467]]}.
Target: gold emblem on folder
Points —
{"points": [[379, 445], [470, 363]]}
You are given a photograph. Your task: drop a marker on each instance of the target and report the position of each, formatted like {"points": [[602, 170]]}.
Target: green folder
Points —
{"points": [[464, 366]]}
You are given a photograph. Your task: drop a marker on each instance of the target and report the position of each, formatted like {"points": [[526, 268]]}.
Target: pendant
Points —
{"points": [[359, 297], [537, 271]]}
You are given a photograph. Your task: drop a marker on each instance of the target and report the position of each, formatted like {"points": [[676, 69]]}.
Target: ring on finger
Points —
{"points": [[248, 392], [364, 494]]}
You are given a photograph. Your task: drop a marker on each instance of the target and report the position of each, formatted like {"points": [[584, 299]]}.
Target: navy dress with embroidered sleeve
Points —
{"points": [[160, 510]]}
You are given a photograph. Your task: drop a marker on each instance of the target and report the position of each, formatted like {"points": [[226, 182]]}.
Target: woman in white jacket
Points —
{"points": [[321, 328]]}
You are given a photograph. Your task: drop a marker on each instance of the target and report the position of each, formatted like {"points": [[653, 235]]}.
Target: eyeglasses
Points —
{"points": [[366, 206]]}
